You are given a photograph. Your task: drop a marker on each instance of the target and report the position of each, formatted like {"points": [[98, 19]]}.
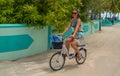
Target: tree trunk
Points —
{"points": [[100, 21], [106, 15]]}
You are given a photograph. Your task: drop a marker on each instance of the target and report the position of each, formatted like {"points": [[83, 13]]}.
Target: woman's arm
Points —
{"points": [[77, 27], [67, 28]]}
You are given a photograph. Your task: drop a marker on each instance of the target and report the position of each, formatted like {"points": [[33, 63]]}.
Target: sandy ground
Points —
{"points": [[103, 49]]}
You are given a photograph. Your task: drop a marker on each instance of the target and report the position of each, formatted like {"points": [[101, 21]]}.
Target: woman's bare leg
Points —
{"points": [[75, 47], [68, 42]]}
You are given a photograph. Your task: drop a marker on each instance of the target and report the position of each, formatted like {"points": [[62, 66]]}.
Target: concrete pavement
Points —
{"points": [[103, 59]]}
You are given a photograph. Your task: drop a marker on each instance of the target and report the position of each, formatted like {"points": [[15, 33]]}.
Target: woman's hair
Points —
{"points": [[78, 16], [75, 10]]}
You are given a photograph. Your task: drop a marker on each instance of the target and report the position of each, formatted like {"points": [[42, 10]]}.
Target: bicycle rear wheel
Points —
{"points": [[57, 61], [83, 52]]}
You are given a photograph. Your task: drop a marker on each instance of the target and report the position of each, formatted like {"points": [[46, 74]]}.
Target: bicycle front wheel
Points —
{"points": [[57, 61]]}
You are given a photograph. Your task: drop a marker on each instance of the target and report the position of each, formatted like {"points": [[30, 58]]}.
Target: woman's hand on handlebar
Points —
{"points": [[72, 37], [60, 34]]}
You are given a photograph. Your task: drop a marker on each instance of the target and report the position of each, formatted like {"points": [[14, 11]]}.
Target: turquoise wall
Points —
{"points": [[17, 41], [90, 27], [108, 22], [116, 21]]}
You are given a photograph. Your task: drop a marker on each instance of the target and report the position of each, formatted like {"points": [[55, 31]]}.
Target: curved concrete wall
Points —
{"points": [[17, 40], [90, 28]]}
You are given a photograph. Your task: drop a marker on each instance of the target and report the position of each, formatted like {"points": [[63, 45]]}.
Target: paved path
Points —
{"points": [[103, 59]]}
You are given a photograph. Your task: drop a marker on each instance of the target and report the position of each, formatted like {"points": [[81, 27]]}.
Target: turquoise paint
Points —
{"points": [[106, 23], [38, 45], [116, 21], [14, 43], [95, 26], [86, 28], [12, 25]]}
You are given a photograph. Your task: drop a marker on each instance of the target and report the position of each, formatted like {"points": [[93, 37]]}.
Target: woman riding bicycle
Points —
{"points": [[75, 23]]}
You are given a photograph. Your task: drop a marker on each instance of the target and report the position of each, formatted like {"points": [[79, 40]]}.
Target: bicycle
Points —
{"points": [[57, 60]]}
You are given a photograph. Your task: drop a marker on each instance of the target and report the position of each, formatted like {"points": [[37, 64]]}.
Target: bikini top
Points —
{"points": [[74, 24]]}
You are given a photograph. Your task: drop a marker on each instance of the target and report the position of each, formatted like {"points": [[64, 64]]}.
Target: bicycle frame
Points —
{"points": [[66, 52]]}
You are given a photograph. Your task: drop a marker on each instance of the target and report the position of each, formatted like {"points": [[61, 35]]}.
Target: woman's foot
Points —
{"points": [[79, 55]]}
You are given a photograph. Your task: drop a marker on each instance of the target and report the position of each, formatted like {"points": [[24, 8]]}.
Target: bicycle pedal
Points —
{"points": [[71, 54]]}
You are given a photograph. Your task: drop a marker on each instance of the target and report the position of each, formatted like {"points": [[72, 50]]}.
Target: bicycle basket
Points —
{"points": [[54, 38], [57, 45]]}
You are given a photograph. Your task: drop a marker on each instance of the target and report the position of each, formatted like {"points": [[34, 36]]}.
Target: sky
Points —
{"points": [[108, 15]]}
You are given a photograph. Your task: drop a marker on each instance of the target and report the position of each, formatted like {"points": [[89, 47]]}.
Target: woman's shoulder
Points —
{"points": [[78, 19]]}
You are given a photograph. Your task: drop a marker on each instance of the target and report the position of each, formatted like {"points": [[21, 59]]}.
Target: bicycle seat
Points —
{"points": [[82, 45]]}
